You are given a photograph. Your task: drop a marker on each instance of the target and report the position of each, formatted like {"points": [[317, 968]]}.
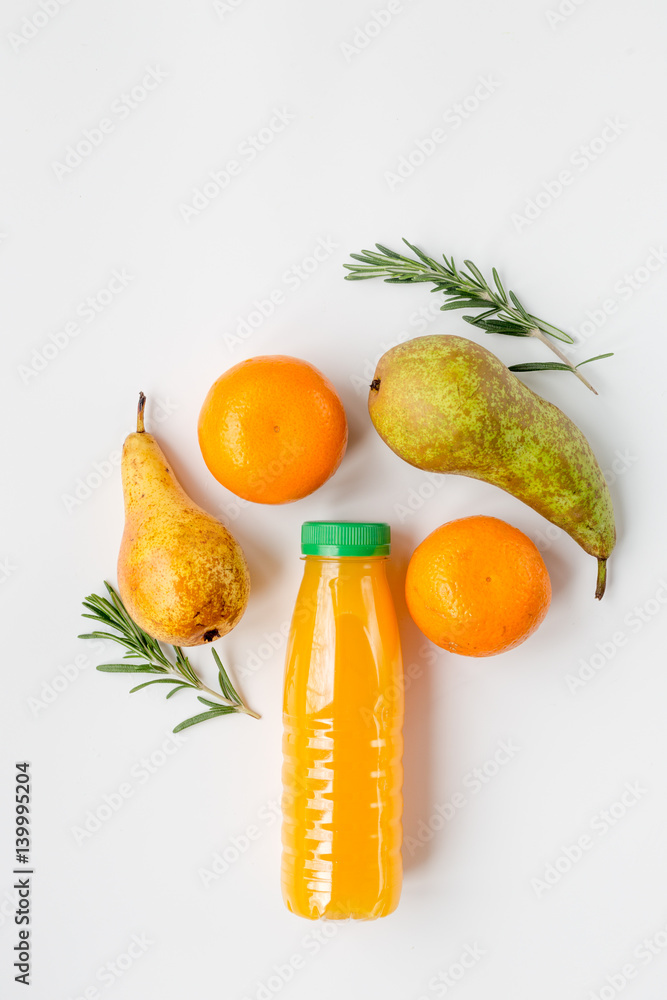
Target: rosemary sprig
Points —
{"points": [[140, 646], [503, 312]]}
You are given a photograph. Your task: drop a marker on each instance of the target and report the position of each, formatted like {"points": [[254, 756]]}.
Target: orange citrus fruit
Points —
{"points": [[272, 429], [477, 586]]}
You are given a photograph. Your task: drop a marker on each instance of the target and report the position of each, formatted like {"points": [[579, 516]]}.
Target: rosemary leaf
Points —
{"points": [[598, 357], [139, 645], [158, 680], [202, 717], [540, 366], [553, 366], [125, 668], [467, 290], [176, 689]]}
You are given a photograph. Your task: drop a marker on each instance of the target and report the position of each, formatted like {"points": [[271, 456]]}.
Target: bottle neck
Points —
{"points": [[348, 567], [345, 560]]}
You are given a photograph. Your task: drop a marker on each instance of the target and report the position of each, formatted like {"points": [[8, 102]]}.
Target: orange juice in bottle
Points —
{"points": [[342, 721]]}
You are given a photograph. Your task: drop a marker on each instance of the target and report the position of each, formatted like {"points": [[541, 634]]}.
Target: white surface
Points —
{"points": [[323, 177]]}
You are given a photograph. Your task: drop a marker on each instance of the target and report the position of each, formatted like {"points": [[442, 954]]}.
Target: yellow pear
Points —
{"points": [[182, 576]]}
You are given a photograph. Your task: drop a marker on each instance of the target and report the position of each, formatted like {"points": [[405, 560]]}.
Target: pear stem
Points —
{"points": [[140, 414], [602, 578], [534, 332]]}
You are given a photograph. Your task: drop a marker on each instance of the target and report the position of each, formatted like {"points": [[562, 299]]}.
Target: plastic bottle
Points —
{"points": [[342, 729]]}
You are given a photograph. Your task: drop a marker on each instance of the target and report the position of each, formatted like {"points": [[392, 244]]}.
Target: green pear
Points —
{"points": [[446, 404], [181, 574]]}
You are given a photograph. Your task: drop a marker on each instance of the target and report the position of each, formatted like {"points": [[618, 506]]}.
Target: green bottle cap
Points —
{"points": [[345, 538]]}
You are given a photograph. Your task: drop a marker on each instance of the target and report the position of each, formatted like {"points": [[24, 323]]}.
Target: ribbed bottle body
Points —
{"points": [[342, 744]]}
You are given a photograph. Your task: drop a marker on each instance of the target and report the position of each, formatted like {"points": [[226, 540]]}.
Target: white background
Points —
{"points": [[359, 103]]}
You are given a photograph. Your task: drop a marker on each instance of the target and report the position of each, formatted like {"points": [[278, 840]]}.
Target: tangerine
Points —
{"points": [[272, 429], [477, 586]]}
